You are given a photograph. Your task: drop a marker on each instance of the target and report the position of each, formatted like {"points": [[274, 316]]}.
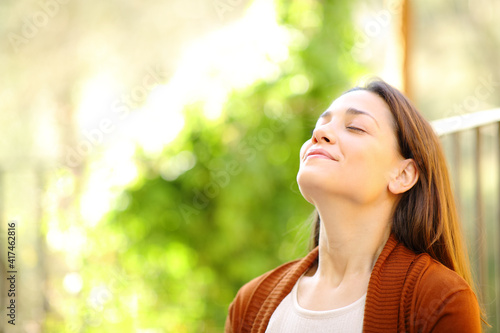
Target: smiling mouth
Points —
{"points": [[319, 153], [318, 156]]}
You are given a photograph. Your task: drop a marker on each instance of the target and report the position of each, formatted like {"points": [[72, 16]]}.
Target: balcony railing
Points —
{"points": [[472, 146]]}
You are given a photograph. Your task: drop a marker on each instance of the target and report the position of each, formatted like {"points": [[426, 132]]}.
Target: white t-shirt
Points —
{"points": [[290, 317]]}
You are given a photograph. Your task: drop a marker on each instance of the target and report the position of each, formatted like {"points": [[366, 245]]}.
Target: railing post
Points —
{"points": [[481, 258], [497, 277], [457, 159], [480, 228]]}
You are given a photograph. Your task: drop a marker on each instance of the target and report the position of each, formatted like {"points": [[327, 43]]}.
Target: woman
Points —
{"points": [[389, 254]]}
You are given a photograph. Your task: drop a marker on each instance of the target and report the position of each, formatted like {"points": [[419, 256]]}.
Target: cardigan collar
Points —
{"points": [[383, 299], [383, 295]]}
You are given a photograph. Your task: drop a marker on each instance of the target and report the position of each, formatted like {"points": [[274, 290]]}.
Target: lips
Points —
{"points": [[319, 153]]}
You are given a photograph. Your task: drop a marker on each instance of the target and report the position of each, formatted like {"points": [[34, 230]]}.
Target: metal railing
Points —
{"points": [[472, 146]]}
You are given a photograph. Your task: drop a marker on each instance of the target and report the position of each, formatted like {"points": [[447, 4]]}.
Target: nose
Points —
{"points": [[323, 133]]}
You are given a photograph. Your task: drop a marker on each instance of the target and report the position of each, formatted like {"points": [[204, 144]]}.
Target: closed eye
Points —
{"points": [[356, 129]]}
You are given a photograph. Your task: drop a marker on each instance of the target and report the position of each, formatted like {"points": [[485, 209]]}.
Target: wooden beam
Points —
{"points": [[406, 26]]}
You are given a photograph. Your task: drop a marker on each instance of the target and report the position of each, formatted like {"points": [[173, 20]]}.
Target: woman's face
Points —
{"points": [[353, 152]]}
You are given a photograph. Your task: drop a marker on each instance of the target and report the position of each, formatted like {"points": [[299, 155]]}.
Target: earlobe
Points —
{"points": [[406, 178]]}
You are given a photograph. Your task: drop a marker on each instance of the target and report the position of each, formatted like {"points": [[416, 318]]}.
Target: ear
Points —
{"points": [[406, 177]]}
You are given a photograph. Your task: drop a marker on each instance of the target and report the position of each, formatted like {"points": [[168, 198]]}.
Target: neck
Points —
{"points": [[351, 239]]}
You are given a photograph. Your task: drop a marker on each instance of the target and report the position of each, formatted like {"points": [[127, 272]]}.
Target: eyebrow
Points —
{"points": [[351, 111]]}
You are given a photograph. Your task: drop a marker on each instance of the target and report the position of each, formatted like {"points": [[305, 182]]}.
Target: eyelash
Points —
{"points": [[355, 129], [348, 127]]}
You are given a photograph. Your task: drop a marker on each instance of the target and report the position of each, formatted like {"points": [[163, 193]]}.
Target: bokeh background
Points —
{"points": [[149, 149]]}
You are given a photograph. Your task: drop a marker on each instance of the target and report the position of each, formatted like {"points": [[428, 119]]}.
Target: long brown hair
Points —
{"points": [[425, 218]]}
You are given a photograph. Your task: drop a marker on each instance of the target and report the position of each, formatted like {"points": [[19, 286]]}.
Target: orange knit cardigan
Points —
{"points": [[406, 293]]}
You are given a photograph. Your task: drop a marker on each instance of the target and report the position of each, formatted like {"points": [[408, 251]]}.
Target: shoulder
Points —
{"points": [[250, 297], [264, 281], [436, 276], [254, 295], [442, 300]]}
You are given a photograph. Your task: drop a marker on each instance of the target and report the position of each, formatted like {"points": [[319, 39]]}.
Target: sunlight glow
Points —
{"points": [[55, 239], [99, 296], [160, 121], [72, 240], [95, 202], [106, 178], [173, 167], [119, 160], [96, 99], [233, 57], [73, 283], [299, 84], [230, 58]]}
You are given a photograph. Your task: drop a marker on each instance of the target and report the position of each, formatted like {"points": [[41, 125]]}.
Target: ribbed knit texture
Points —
{"points": [[406, 293], [272, 290], [385, 288]]}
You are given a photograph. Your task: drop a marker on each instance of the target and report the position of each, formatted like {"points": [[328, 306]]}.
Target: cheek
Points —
{"points": [[366, 160], [376, 163]]}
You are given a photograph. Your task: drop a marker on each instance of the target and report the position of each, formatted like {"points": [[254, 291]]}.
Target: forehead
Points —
{"points": [[363, 100]]}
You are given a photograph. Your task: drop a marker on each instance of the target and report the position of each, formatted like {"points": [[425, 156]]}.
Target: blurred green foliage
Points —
{"points": [[177, 254]]}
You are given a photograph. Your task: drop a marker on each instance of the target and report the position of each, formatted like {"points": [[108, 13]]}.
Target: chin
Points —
{"points": [[310, 184]]}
